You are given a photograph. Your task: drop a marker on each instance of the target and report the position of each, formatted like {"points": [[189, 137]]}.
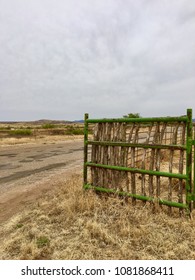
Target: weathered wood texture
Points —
{"points": [[169, 155]]}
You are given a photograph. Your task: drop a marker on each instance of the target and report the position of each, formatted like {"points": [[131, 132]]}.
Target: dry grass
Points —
{"points": [[69, 223], [38, 132], [45, 139]]}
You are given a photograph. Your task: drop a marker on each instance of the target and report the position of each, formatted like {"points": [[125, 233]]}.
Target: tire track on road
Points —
{"points": [[26, 173]]}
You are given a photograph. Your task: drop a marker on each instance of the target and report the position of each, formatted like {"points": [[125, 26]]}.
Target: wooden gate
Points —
{"points": [[148, 159]]}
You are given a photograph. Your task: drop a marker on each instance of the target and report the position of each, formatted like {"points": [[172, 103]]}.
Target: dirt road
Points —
{"points": [[28, 170]]}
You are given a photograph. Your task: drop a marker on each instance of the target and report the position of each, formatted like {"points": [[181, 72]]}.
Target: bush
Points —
{"points": [[20, 132], [48, 125], [57, 132], [74, 131], [132, 115], [5, 128]]}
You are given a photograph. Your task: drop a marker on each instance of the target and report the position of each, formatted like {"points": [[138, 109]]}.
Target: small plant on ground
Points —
{"points": [[19, 226], [42, 241]]}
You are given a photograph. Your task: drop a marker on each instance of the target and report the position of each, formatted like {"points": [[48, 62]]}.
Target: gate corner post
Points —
{"points": [[189, 160]]}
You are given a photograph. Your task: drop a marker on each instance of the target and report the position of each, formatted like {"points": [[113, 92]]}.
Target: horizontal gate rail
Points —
{"points": [[140, 197], [139, 120], [137, 170], [138, 145]]}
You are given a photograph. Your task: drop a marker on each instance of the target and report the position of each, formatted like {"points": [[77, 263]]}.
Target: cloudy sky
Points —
{"points": [[60, 59]]}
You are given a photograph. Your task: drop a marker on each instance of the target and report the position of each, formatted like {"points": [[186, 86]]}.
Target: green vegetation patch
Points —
{"points": [[48, 126], [5, 128], [20, 132], [19, 226], [132, 115], [42, 241], [70, 130]]}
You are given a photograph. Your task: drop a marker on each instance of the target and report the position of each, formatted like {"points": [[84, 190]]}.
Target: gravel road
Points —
{"points": [[25, 169], [20, 162]]}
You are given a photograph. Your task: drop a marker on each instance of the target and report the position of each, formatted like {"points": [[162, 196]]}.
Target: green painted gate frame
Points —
{"points": [[190, 190]]}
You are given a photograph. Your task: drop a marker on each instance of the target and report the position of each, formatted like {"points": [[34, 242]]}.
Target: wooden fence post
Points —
{"points": [[85, 150], [189, 160]]}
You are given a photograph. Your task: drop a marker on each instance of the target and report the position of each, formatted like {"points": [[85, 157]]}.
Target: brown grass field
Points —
{"points": [[68, 223]]}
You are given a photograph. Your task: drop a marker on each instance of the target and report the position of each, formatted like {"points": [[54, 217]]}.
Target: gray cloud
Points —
{"points": [[61, 59]]}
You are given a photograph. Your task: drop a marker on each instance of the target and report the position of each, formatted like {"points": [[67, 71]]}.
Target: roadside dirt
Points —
{"points": [[28, 170]]}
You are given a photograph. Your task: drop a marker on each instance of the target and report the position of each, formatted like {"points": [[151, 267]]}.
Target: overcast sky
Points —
{"points": [[62, 58]]}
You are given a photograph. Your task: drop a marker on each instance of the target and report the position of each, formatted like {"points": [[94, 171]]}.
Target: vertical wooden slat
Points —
{"points": [[143, 166], [115, 155], [112, 159], [85, 150], [129, 140], [94, 156], [104, 155], [109, 176], [158, 159], [181, 165], [152, 161], [133, 177], [171, 156], [189, 160], [101, 154], [124, 175]]}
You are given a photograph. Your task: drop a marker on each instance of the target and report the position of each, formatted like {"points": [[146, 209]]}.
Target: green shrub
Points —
{"points": [[74, 131], [5, 128], [20, 132], [48, 125]]}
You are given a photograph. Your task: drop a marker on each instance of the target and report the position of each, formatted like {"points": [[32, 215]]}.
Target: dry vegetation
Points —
{"points": [[69, 223], [39, 129], [38, 132]]}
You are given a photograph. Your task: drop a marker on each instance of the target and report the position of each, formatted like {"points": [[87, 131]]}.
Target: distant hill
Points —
{"points": [[38, 122], [58, 121], [79, 121], [45, 121], [41, 122]]}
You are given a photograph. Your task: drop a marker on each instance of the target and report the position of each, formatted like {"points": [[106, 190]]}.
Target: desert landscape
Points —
{"points": [[46, 214]]}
